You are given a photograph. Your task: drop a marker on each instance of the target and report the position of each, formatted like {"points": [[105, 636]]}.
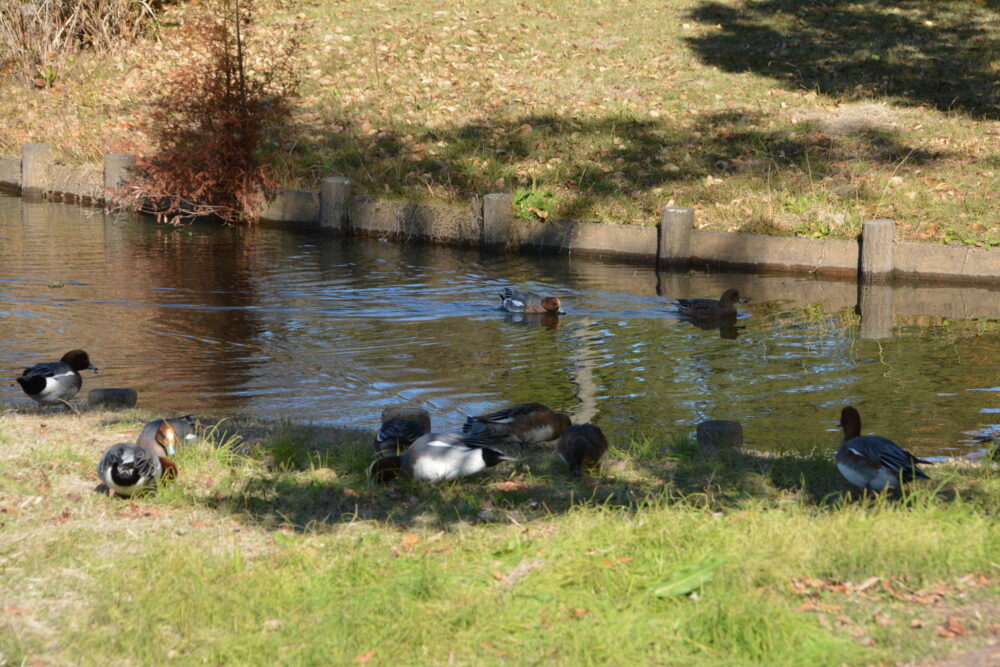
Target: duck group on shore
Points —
{"points": [[406, 448]]}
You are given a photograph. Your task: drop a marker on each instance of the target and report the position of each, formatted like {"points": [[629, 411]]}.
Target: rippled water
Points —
{"points": [[297, 325]]}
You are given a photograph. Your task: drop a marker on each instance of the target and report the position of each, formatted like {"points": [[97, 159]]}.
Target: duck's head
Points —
{"points": [[551, 304], [562, 421], [78, 360], [730, 298], [850, 421], [167, 438]]}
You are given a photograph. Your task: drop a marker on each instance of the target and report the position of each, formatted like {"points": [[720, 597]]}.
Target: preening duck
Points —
{"points": [[581, 446], [522, 424], [436, 457], [128, 469], [169, 433]]}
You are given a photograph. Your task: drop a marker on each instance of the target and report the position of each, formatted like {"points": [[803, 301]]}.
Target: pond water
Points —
{"points": [[285, 324]]}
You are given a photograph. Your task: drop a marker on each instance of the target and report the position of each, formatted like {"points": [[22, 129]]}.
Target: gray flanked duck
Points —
{"points": [[514, 301], [436, 457], [872, 462], [55, 382]]}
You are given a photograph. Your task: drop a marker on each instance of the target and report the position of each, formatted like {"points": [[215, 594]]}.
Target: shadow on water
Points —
{"points": [[919, 53]]}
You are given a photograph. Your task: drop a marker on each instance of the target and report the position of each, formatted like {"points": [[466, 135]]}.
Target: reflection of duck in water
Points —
{"points": [[528, 302], [548, 320], [726, 326]]}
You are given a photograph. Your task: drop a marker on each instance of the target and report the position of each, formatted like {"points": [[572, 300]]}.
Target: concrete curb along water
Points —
{"points": [[488, 223]]}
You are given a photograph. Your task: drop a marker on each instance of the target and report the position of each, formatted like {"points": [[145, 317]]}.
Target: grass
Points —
{"points": [[773, 116], [272, 547]]}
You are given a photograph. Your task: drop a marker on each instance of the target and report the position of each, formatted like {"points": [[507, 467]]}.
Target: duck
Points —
{"points": [[528, 302], [55, 382], [397, 434], [436, 457], [522, 424], [710, 309], [129, 469], [581, 446], [872, 462], [168, 433]]}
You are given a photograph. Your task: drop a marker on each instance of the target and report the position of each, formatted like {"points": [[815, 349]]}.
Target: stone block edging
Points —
{"points": [[489, 223]]}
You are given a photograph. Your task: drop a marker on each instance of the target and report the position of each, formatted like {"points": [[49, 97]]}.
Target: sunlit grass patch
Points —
{"points": [[240, 560]]}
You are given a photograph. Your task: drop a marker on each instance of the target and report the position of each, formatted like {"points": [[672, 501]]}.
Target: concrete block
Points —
{"points": [[335, 204], [35, 162], [717, 436], [875, 306], [117, 169], [934, 261], [10, 171], [877, 241], [294, 207], [676, 223], [598, 238], [415, 221], [498, 214], [76, 182], [112, 398], [778, 253]]}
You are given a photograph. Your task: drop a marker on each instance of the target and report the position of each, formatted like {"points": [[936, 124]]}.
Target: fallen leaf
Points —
{"points": [[916, 623], [499, 576], [507, 485], [579, 612], [365, 657], [955, 626]]}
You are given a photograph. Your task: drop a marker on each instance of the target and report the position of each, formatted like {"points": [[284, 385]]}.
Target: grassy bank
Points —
{"points": [[779, 117], [271, 546]]}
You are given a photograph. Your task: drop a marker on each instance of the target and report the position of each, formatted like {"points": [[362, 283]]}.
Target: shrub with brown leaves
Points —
{"points": [[209, 117]]}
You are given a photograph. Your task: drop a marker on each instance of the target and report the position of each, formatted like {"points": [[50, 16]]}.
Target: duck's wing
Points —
{"points": [[888, 454], [508, 414], [51, 369]]}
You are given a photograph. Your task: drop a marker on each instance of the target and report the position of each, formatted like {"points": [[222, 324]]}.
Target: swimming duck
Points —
{"points": [[181, 430], [523, 424], [708, 309], [872, 462], [55, 382], [397, 434], [528, 302], [581, 446], [128, 469], [436, 457]]}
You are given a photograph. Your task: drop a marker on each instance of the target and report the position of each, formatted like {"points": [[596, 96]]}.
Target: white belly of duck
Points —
{"points": [[440, 462]]}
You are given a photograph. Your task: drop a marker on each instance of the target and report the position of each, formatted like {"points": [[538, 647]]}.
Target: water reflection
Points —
{"points": [[315, 328]]}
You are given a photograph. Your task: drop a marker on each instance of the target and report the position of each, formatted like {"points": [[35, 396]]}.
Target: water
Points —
{"points": [[296, 325]]}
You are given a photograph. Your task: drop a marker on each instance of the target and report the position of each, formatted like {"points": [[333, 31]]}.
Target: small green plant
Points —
{"points": [[532, 203]]}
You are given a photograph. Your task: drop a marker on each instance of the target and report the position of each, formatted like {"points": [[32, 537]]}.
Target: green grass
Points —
{"points": [[257, 556], [777, 117]]}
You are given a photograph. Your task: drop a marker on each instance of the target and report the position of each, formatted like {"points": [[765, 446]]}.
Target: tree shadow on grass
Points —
{"points": [[598, 158], [940, 54], [311, 478]]}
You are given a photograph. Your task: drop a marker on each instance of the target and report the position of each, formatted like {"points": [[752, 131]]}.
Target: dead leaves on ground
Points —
{"points": [[848, 596]]}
